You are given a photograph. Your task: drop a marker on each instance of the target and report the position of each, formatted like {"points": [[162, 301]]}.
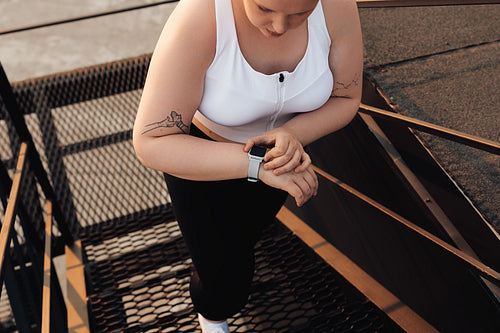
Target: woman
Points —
{"points": [[227, 77]]}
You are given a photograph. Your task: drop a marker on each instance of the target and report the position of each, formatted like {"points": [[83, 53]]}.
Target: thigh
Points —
{"points": [[221, 221], [200, 228], [245, 208]]}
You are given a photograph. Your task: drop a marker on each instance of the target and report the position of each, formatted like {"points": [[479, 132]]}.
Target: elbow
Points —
{"points": [[144, 148], [350, 104], [354, 103], [138, 143], [151, 151]]}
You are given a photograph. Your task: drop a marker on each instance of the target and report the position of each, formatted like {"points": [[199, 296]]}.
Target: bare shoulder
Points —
{"points": [[346, 54], [175, 81], [190, 30], [342, 17]]}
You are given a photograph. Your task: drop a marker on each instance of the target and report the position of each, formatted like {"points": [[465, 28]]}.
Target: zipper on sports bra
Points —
{"points": [[280, 102]]}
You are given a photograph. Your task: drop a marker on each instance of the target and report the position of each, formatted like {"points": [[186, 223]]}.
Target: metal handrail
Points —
{"points": [[10, 211], [19, 123], [473, 263], [457, 136]]}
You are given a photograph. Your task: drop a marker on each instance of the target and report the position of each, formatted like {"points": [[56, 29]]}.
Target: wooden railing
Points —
{"points": [[10, 211], [35, 294], [447, 133], [47, 271], [476, 265], [28, 311]]}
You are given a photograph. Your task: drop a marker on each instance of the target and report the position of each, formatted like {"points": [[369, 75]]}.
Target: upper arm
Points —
{"points": [[346, 53], [175, 80]]}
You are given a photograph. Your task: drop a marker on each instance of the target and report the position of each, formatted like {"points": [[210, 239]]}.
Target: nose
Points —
{"points": [[280, 24]]}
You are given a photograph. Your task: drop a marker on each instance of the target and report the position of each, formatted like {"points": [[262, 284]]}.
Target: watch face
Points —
{"points": [[258, 151]]}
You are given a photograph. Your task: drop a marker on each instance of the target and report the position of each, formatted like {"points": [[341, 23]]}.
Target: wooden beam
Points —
{"points": [[76, 304], [10, 211], [47, 267]]}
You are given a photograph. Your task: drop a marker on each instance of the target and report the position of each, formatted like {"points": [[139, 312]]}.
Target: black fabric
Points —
{"points": [[221, 221]]}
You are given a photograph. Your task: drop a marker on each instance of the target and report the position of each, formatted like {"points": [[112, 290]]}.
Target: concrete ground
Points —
{"points": [[438, 64]]}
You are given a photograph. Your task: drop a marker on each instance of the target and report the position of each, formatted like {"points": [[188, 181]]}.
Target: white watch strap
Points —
{"points": [[253, 169]]}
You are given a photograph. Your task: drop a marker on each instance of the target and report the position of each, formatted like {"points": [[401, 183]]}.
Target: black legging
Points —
{"points": [[221, 221]]}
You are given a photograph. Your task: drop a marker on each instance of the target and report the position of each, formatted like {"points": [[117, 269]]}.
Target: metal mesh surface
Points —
{"points": [[81, 125], [7, 322], [139, 281]]}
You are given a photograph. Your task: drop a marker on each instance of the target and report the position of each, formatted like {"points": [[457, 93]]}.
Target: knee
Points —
{"points": [[223, 298]]}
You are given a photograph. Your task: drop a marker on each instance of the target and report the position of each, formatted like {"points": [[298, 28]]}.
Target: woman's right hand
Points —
{"points": [[286, 153], [300, 185]]}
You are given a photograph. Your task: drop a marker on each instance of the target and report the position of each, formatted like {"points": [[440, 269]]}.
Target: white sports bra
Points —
{"points": [[239, 102]]}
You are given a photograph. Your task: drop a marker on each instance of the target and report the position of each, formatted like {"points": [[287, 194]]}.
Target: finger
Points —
{"points": [[307, 186], [248, 145], [292, 186], [299, 196], [277, 151], [294, 190], [306, 162], [262, 140], [288, 165], [312, 180], [284, 160], [276, 163]]}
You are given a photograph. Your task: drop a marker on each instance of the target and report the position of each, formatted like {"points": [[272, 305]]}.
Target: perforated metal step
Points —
{"points": [[138, 274]]}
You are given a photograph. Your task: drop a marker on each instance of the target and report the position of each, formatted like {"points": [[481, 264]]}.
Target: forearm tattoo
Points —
{"points": [[174, 120], [340, 88]]}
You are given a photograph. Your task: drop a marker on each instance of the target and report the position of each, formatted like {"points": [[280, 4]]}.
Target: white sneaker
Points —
{"points": [[208, 327]]}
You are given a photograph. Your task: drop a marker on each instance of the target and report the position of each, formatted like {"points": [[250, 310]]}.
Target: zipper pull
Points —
{"points": [[282, 77]]}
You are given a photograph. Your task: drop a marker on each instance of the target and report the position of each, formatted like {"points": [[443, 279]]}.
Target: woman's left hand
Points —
{"points": [[286, 154]]}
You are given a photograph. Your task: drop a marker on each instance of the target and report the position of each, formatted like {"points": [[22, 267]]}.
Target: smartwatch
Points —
{"points": [[256, 155]]}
